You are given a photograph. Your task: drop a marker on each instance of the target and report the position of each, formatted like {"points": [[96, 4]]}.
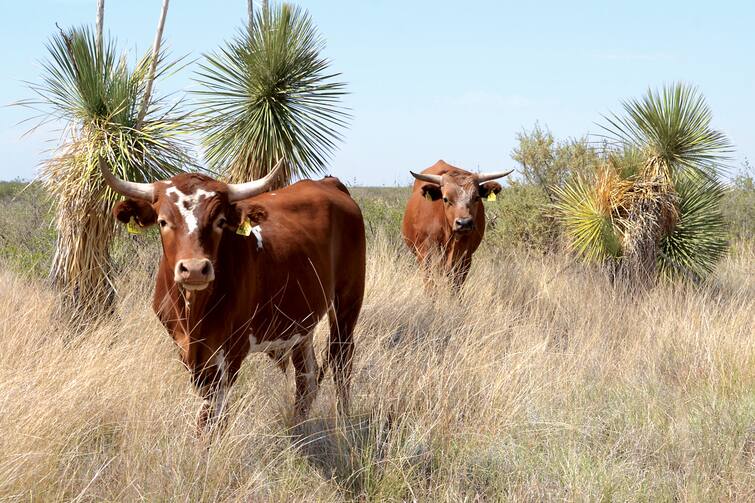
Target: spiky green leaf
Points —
{"points": [[698, 241], [674, 127], [588, 224], [97, 96], [267, 94]]}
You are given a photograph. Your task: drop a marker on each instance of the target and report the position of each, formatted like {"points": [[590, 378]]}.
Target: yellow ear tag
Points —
{"points": [[245, 229], [133, 227], [491, 196]]}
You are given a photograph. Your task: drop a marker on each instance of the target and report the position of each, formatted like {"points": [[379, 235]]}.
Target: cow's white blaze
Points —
{"points": [[187, 204], [467, 197]]}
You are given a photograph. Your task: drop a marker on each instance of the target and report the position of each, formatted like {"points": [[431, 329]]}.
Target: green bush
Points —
{"points": [[27, 240], [738, 206], [521, 217], [382, 209]]}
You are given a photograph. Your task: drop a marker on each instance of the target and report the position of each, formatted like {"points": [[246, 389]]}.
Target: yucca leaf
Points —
{"points": [[97, 97]]}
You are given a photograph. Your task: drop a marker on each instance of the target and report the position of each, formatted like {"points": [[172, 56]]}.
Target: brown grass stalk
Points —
{"points": [[540, 383]]}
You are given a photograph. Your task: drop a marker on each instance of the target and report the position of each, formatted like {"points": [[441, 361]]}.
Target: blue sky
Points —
{"points": [[431, 80]]}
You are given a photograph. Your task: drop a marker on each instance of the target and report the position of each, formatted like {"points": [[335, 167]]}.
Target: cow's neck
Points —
{"points": [[190, 311], [177, 308]]}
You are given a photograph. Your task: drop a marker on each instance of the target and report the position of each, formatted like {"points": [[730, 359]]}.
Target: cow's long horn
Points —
{"points": [[134, 190], [436, 179], [484, 177], [239, 191]]}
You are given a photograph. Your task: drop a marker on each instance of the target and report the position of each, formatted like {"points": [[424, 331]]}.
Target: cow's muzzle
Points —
{"points": [[463, 225], [194, 273]]}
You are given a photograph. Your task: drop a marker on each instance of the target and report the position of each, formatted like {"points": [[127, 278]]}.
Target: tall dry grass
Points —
{"points": [[543, 382]]}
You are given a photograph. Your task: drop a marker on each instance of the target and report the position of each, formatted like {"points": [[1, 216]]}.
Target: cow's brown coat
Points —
{"points": [[429, 221], [311, 261]]}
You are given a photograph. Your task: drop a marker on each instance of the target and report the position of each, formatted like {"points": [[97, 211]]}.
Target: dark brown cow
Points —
{"points": [[222, 295], [445, 217]]}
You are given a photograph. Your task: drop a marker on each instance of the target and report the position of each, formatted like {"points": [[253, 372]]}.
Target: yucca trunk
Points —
{"points": [[81, 266], [652, 213], [99, 24], [640, 243]]}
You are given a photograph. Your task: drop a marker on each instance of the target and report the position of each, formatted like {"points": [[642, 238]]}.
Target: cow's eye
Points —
{"points": [[221, 222], [445, 199], [162, 223]]}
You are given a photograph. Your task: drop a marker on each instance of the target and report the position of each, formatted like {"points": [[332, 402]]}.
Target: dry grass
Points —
{"points": [[543, 382]]}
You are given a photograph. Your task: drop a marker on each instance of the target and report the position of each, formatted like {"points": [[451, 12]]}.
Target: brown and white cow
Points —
{"points": [[444, 219], [222, 295]]}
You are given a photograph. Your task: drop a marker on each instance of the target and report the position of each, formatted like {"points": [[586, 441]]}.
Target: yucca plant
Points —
{"points": [[98, 99], [662, 184], [268, 94]]}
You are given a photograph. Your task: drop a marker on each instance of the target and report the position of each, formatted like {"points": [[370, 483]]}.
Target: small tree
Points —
{"points": [[268, 95], [548, 163]]}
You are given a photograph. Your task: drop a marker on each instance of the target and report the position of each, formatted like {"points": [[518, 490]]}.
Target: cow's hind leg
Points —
{"points": [[340, 352], [306, 373]]}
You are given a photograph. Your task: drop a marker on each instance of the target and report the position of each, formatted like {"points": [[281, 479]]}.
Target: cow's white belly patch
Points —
{"points": [[274, 345]]}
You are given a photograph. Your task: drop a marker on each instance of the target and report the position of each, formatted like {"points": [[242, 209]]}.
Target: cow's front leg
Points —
{"points": [[306, 370], [215, 393], [459, 273]]}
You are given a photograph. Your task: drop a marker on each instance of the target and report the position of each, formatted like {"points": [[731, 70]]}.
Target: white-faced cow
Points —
{"points": [[445, 218], [222, 295]]}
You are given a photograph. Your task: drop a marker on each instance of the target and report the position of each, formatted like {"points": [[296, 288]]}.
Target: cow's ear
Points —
{"points": [[488, 187], [255, 213], [431, 191], [141, 211]]}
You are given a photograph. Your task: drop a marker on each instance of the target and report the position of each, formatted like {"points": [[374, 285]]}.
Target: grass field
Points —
{"points": [[542, 382]]}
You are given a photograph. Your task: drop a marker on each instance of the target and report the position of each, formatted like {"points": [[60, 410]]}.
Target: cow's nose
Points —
{"points": [[464, 224], [194, 273]]}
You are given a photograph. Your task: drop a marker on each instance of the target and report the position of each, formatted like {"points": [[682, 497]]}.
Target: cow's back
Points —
{"points": [[311, 246]]}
